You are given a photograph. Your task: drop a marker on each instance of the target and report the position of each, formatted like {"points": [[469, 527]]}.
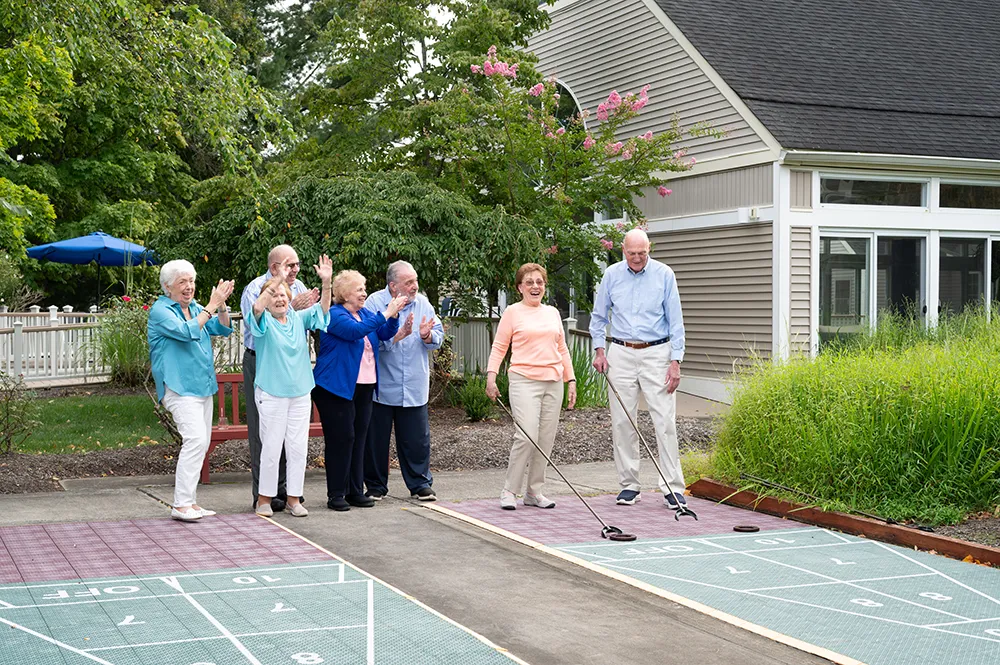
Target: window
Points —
{"points": [[871, 192], [982, 197], [843, 286], [962, 274], [899, 279]]}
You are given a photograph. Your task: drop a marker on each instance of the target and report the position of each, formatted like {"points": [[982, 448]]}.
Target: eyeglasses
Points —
{"points": [[294, 266], [537, 282]]}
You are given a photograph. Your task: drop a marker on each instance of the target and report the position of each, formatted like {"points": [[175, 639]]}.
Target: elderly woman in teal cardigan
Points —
{"points": [[346, 377], [180, 352]]}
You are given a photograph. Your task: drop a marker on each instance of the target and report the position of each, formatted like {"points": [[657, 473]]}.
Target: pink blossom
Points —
{"points": [[465, 91], [146, 307], [648, 136], [663, 191], [550, 135], [614, 99], [476, 69], [553, 249], [561, 131], [531, 116], [692, 162], [585, 113], [536, 89], [488, 68], [680, 153], [608, 245], [126, 299], [602, 112], [588, 142], [492, 51], [645, 91], [613, 148], [627, 153], [637, 106], [620, 225], [556, 96]]}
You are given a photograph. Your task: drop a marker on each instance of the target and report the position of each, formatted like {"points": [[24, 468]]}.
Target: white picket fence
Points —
{"points": [[59, 346]]}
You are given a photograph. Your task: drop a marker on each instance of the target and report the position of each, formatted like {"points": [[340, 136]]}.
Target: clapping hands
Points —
{"points": [[220, 292], [404, 329], [396, 304], [325, 268]]}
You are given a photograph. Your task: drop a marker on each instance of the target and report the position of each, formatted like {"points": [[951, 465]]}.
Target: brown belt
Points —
{"points": [[639, 345]]}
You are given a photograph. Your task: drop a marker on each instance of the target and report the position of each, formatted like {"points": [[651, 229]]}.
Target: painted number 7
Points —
{"points": [[307, 658]]}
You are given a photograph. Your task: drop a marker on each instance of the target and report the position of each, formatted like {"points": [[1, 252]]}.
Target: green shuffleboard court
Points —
{"points": [[297, 614], [876, 603]]}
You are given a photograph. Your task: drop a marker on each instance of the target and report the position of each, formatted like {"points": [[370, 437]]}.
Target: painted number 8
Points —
{"points": [[307, 658], [865, 602], [935, 596]]}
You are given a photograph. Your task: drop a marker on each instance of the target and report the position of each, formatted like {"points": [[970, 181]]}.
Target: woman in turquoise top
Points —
{"points": [[284, 381], [180, 351]]}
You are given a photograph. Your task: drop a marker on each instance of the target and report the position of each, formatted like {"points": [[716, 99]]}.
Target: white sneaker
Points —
{"points": [[264, 510], [298, 510], [508, 501], [186, 515], [538, 501]]}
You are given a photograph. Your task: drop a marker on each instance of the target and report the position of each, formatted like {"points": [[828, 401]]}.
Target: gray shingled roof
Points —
{"points": [[917, 77]]}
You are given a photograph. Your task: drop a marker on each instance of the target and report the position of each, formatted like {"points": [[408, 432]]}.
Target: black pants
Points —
{"points": [[345, 431], [253, 428], [413, 447]]}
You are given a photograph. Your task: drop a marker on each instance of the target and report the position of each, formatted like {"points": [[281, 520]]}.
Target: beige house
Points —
{"points": [[860, 171]]}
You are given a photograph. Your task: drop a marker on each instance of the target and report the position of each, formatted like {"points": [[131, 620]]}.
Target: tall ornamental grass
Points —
{"points": [[903, 422]]}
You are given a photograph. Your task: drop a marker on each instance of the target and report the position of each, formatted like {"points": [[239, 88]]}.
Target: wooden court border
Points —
{"points": [[773, 635]]}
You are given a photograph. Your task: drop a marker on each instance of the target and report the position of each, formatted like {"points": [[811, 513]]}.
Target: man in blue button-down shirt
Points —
{"points": [[647, 346], [403, 387]]}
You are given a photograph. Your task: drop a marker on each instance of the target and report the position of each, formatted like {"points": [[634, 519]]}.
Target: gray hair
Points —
{"points": [[171, 270], [394, 269]]}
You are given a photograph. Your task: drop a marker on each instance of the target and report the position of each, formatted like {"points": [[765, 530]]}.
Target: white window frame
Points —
{"points": [[925, 195], [966, 181]]}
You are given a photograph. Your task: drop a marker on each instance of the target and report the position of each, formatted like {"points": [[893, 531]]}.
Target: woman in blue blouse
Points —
{"points": [[346, 378], [180, 351], [283, 382]]}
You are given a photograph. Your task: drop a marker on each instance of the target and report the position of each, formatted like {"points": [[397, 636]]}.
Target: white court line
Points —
{"points": [[695, 555], [5, 604], [870, 579], [157, 578], [856, 586], [210, 592], [371, 622], [960, 623], [838, 535], [55, 642], [173, 582], [955, 632], [760, 534], [222, 637], [938, 572]]}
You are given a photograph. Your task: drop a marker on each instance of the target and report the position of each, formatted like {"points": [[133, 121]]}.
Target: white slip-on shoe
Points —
{"points": [[264, 510], [206, 513], [538, 501], [186, 515], [508, 501], [298, 510]]}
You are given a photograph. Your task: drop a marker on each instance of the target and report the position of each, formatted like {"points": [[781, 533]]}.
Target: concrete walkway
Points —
{"points": [[542, 609]]}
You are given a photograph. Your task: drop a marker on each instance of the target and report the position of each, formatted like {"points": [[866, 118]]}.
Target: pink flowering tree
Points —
{"points": [[502, 140]]}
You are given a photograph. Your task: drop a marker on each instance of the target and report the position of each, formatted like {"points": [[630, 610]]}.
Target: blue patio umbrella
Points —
{"points": [[98, 246]]}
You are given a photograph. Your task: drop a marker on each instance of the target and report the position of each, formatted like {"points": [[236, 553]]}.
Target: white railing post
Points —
{"points": [[17, 367], [34, 309], [569, 323], [53, 315]]}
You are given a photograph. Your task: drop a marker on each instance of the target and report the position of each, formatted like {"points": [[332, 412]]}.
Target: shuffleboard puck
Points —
{"points": [[746, 528]]}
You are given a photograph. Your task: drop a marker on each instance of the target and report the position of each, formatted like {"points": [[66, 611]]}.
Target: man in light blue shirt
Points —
{"points": [[403, 388], [640, 299], [302, 298]]}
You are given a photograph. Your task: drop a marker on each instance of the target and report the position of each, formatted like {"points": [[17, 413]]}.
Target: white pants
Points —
{"points": [[284, 422], [535, 405], [193, 416], [632, 370]]}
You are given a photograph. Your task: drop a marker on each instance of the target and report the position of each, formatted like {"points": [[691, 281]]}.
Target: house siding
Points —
{"points": [[584, 49], [799, 324], [724, 278], [800, 190], [711, 192]]}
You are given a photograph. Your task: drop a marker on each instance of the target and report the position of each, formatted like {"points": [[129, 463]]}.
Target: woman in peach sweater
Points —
{"points": [[539, 364]]}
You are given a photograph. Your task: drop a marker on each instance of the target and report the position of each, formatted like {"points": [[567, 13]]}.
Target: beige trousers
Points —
{"points": [[632, 370], [535, 405]]}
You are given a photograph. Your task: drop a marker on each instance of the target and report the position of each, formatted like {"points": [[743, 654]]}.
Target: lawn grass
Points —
{"points": [[94, 422], [901, 423]]}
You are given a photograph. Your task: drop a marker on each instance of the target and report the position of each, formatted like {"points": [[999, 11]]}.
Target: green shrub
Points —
{"points": [[122, 343], [17, 413], [14, 293], [472, 397], [903, 423], [591, 390]]}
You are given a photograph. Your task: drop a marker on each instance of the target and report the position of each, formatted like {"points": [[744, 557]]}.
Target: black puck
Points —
{"points": [[746, 528]]}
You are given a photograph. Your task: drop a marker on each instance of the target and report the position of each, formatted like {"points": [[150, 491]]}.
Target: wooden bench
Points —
{"points": [[229, 428]]}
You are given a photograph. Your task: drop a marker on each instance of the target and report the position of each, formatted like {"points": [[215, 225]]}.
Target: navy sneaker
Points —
{"points": [[627, 498], [424, 494], [670, 502]]}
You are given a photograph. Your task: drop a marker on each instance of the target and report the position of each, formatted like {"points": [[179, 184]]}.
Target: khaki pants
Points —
{"points": [[535, 405], [632, 370]]}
